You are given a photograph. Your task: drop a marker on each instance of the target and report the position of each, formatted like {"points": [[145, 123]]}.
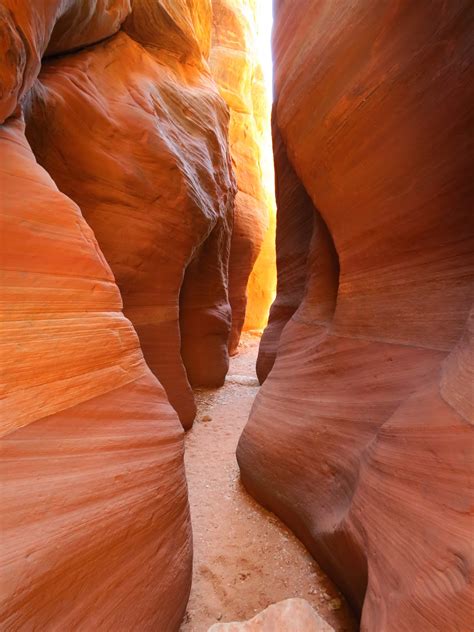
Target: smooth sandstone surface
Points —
{"points": [[237, 69], [138, 138], [180, 27], [292, 614], [361, 436], [93, 491]]}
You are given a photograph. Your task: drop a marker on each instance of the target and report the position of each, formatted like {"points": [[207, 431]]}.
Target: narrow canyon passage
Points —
{"points": [[176, 176], [244, 557]]}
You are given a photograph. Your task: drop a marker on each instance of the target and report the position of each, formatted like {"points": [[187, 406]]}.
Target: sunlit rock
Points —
{"points": [[28, 30], [296, 615]]}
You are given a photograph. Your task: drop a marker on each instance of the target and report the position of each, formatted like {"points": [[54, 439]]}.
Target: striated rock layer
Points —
{"points": [[134, 131], [237, 68], [361, 436], [295, 220]]}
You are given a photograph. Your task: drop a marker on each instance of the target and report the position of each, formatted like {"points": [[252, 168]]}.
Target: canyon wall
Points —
{"points": [[134, 131], [237, 67], [130, 134], [361, 436]]}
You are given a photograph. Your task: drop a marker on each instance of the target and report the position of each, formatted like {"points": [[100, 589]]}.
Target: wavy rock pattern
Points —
{"points": [[359, 436], [95, 529], [295, 219], [239, 74], [137, 137]]}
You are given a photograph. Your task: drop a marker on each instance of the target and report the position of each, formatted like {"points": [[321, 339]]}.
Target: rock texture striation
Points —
{"points": [[360, 436], [237, 68], [295, 222], [134, 131], [92, 455]]}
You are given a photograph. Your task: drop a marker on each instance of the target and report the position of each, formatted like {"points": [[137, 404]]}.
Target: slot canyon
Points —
{"points": [[237, 324]]}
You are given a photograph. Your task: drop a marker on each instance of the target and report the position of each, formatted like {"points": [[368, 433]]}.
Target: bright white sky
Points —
{"points": [[265, 22]]}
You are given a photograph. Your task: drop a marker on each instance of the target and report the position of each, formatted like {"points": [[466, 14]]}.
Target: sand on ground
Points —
{"points": [[244, 557]]}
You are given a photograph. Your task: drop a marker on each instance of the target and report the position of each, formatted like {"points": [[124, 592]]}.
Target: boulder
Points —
{"points": [[291, 615]]}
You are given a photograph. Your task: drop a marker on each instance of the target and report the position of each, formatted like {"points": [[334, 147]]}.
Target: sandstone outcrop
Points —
{"points": [[134, 131], [237, 68], [92, 453], [295, 614], [360, 436]]}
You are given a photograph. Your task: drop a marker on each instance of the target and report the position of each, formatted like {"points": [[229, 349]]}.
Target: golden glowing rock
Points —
{"points": [[237, 68], [95, 523]]}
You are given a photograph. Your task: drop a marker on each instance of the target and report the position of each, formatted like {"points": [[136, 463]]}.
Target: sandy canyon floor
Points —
{"points": [[244, 557]]}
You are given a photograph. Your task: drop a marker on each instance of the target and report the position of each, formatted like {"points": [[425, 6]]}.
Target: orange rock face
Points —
{"points": [[360, 436], [91, 450], [238, 71], [137, 137]]}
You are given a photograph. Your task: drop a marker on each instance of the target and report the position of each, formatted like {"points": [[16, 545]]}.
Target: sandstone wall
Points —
{"points": [[131, 135], [237, 68], [295, 220], [92, 453], [360, 436]]}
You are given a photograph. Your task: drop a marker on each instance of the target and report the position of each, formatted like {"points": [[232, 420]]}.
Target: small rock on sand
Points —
{"points": [[292, 614]]}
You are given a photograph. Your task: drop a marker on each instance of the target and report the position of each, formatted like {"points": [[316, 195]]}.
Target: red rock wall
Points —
{"points": [[237, 69], [360, 436], [95, 528], [138, 138]]}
